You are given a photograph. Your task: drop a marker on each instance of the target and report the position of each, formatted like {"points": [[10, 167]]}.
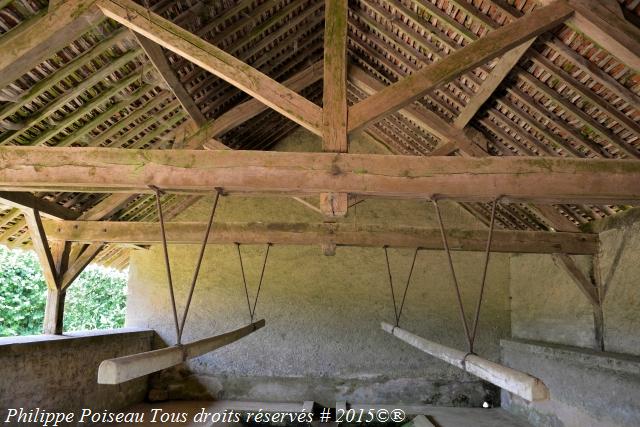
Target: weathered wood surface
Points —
{"points": [[29, 201], [492, 45], [160, 61], [524, 385], [216, 61], [319, 233], [489, 86], [543, 180], [121, 369], [41, 37], [334, 103]]}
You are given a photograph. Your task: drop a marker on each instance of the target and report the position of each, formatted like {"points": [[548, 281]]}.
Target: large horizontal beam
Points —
{"points": [[314, 234], [543, 180], [494, 44], [216, 61]]}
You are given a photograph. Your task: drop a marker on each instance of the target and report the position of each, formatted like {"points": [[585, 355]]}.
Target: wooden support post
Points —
{"points": [[334, 106], [116, 371], [53, 260], [519, 383], [334, 205], [54, 311]]}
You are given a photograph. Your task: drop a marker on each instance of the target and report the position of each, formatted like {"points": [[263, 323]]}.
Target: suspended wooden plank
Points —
{"points": [[147, 233], [121, 369], [541, 180], [519, 383], [494, 44]]}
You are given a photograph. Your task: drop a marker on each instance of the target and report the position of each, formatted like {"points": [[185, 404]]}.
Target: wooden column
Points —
{"points": [[53, 260], [54, 311], [334, 103]]}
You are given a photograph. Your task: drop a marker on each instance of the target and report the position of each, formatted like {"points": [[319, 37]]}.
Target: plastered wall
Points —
{"points": [[59, 373], [553, 327]]}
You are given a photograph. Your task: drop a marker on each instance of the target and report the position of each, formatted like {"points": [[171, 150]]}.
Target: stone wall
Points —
{"points": [[60, 372], [323, 339], [588, 388]]}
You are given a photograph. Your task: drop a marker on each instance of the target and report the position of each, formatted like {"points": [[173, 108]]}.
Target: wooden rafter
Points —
{"points": [[603, 22], [216, 61], [489, 86], [425, 118], [43, 36], [492, 45], [159, 60], [543, 180], [119, 232], [247, 110]]}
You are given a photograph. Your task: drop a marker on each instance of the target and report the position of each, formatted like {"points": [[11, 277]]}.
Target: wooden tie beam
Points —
{"points": [[541, 180], [121, 369], [516, 382], [341, 234]]}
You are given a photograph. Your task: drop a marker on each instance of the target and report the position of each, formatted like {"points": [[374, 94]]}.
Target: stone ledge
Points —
{"points": [[587, 357], [33, 342]]}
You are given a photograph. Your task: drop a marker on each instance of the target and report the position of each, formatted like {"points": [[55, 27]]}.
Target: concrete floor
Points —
{"points": [[439, 416]]}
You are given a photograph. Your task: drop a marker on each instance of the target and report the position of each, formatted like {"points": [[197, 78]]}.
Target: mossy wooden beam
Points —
{"points": [[543, 180], [42, 36], [216, 61], [492, 45], [146, 233], [335, 77]]}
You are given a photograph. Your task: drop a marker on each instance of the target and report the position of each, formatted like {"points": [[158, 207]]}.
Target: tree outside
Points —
{"points": [[96, 300]]}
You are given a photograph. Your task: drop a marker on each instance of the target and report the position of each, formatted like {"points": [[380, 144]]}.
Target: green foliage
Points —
{"points": [[22, 293], [96, 300]]}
